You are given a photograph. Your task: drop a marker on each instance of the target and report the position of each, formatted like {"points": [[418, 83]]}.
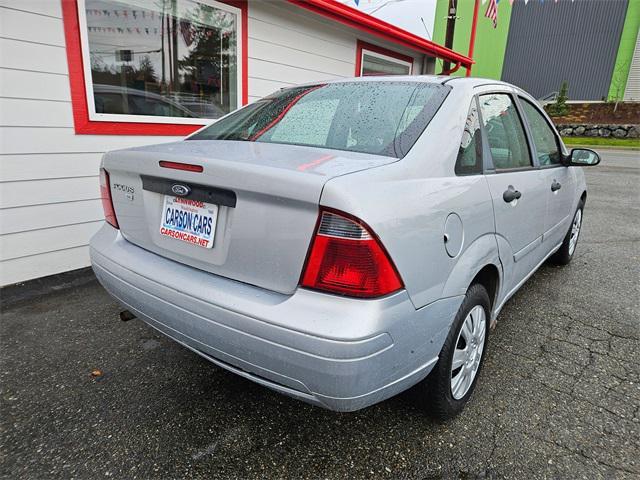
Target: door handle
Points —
{"points": [[511, 194], [555, 186]]}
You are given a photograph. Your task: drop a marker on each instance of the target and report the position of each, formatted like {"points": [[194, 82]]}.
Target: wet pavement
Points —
{"points": [[559, 396]]}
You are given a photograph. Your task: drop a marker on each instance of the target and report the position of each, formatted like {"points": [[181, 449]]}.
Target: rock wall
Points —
{"points": [[590, 130]]}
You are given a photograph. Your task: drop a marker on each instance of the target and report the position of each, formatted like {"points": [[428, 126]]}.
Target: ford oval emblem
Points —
{"points": [[180, 190]]}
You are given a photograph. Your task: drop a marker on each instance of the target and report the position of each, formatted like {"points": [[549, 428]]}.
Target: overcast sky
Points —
{"points": [[402, 13]]}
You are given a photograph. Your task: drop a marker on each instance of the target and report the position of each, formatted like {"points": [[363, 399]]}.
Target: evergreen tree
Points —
{"points": [[560, 108]]}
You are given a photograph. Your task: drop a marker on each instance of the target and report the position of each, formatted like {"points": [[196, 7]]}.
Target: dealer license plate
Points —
{"points": [[191, 221]]}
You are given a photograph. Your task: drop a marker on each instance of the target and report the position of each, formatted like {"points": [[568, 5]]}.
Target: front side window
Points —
{"points": [[543, 137], [505, 132], [384, 118], [159, 61], [469, 159]]}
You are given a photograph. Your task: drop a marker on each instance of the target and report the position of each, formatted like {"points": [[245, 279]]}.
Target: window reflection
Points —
{"points": [[505, 133], [173, 58], [469, 159]]}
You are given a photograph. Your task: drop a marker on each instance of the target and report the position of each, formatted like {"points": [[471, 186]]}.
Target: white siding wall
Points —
{"points": [[289, 46], [632, 91], [49, 198]]}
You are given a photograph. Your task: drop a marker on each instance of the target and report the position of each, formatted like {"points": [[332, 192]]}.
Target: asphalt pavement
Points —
{"points": [[559, 396]]}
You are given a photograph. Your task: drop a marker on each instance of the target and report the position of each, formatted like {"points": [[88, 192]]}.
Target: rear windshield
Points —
{"points": [[384, 118]]}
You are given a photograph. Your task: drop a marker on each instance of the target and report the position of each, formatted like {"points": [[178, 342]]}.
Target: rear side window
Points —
{"points": [[469, 161], [505, 132], [384, 118], [543, 137]]}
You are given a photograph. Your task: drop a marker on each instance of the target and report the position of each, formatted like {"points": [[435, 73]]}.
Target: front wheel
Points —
{"points": [[451, 382], [565, 253]]}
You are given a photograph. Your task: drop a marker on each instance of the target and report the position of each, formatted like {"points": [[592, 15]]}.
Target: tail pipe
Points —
{"points": [[126, 315]]}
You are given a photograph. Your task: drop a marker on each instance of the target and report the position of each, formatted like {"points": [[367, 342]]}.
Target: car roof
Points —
{"points": [[458, 83], [464, 82]]}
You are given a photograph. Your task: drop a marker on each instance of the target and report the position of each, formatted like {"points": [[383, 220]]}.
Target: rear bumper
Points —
{"points": [[340, 353]]}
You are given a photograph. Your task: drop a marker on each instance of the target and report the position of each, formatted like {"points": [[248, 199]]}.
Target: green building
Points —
{"points": [[591, 44]]}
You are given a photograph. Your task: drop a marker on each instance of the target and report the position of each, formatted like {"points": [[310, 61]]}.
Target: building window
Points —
{"points": [[374, 60], [166, 63]]}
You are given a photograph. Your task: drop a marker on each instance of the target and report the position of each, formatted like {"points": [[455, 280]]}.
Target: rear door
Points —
{"points": [[558, 180], [516, 185]]}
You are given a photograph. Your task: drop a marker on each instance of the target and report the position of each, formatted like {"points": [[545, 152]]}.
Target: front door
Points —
{"points": [[559, 181], [517, 189]]}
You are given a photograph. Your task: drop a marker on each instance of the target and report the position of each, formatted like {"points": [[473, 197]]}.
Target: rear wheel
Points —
{"points": [[565, 253], [452, 381]]}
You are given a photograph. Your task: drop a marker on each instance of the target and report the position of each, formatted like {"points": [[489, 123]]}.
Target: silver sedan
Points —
{"points": [[342, 241]]}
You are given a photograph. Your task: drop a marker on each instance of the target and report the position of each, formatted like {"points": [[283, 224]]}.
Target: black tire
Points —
{"points": [[437, 391], [563, 256]]}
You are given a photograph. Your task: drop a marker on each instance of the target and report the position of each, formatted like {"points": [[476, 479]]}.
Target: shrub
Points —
{"points": [[560, 108]]}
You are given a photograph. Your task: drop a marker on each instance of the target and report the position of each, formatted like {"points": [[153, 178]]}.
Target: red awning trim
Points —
{"points": [[353, 18]]}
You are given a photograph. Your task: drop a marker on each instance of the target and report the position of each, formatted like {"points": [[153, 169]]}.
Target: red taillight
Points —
{"points": [[107, 203], [346, 258]]}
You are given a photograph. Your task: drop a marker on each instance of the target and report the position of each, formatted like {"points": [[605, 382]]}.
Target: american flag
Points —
{"points": [[492, 12]]}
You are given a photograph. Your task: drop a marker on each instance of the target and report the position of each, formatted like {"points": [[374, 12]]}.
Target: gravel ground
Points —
{"points": [[559, 396]]}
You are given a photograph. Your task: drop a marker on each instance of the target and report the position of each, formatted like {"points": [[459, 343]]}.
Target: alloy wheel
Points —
{"points": [[468, 352], [575, 231]]}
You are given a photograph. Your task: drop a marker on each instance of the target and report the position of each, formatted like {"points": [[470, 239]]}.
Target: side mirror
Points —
{"points": [[582, 157]]}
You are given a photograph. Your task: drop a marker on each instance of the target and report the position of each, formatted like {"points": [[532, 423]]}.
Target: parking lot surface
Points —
{"points": [[559, 396]]}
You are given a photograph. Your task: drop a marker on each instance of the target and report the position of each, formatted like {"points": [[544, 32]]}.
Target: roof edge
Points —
{"points": [[361, 21]]}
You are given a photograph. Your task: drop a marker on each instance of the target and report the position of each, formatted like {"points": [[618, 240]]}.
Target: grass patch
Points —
{"points": [[603, 142]]}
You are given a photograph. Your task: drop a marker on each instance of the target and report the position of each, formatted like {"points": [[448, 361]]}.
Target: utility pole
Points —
{"points": [[451, 26]]}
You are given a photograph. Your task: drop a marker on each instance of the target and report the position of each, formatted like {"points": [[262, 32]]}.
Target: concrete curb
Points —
{"points": [[25, 291]]}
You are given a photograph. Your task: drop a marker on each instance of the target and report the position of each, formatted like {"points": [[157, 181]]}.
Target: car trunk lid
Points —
{"points": [[266, 196]]}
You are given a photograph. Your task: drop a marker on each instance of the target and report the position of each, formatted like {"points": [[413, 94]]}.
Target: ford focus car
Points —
{"points": [[343, 241]]}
